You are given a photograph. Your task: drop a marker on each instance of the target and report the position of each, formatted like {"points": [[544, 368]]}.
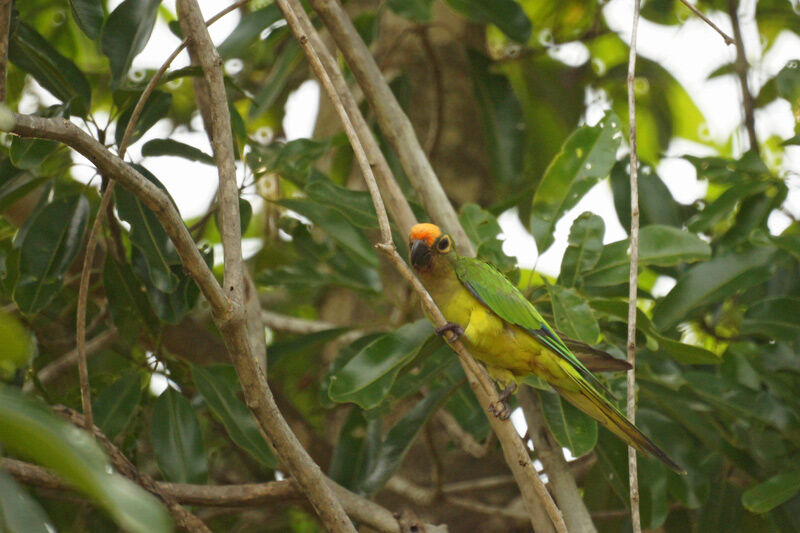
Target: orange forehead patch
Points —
{"points": [[425, 232]]}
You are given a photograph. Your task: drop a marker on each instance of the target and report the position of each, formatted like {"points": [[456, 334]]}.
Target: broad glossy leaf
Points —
{"points": [[714, 281], [19, 513], [177, 439], [127, 300], [653, 492], [28, 154], [503, 123], [774, 318], [400, 438], [125, 34], [586, 156], [658, 245], [159, 147], [216, 384], [482, 229], [338, 228], [149, 237], [89, 16], [15, 183], [788, 83], [348, 457], [54, 238], [114, 407], [723, 510], [724, 206], [505, 14], [154, 110], [571, 428], [32, 53], [293, 160], [19, 346], [356, 206], [276, 82], [248, 31], [468, 412], [573, 315], [583, 250], [771, 493], [368, 377], [29, 430], [434, 359], [656, 204]]}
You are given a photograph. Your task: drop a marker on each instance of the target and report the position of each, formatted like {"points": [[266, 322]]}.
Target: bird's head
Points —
{"points": [[428, 246]]}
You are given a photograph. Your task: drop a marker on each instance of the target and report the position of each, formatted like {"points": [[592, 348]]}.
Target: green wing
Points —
{"points": [[497, 293]]}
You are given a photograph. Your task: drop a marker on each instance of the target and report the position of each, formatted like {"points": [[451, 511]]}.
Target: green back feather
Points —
{"points": [[503, 298]]}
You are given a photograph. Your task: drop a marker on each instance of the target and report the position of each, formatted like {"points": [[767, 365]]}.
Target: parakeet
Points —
{"points": [[502, 329]]}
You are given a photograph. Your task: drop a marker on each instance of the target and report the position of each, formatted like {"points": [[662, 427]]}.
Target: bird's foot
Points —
{"points": [[501, 409], [456, 330]]}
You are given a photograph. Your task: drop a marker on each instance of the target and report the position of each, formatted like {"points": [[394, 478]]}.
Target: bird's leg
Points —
{"points": [[501, 409], [456, 330]]}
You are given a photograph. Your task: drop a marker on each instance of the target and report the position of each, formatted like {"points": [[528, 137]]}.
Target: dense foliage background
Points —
{"points": [[380, 403]]}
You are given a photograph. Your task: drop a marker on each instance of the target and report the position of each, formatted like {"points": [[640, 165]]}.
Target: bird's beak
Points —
{"points": [[420, 254]]}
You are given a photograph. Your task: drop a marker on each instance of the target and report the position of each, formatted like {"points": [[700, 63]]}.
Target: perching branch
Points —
{"points": [[5, 23], [633, 280], [515, 452], [705, 19], [741, 67]]}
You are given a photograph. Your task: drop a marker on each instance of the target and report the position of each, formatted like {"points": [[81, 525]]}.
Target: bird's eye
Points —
{"points": [[444, 245]]}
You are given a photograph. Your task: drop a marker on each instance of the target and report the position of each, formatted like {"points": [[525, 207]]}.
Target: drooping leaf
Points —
{"points": [[28, 154], [278, 77], [159, 147], [127, 301], [573, 315], [125, 33], [114, 407], [19, 513], [571, 428], [216, 384], [177, 439], [656, 204], [348, 459], [771, 493], [15, 183], [501, 116], [154, 110], [32, 53], [89, 16], [368, 377], [713, 281], [505, 14], [248, 31], [773, 318], [18, 346], [54, 238], [356, 206], [586, 156], [30, 431], [724, 205], [483, 230], [584, 248]]}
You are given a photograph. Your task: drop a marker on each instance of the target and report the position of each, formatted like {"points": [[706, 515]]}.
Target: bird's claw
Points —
{"points": [[500, 409], [456, 330]]}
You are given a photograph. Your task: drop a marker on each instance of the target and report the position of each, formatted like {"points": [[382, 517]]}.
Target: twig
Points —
{"points": [[466, 441], [741, 71], [562, 482], [515, 453], [232, 317], [705, 19], [634, 273], [5, 23]]}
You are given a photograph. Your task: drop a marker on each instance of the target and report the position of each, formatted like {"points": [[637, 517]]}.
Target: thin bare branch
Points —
{"points": [[741, 67], [5, 26], [728, 40], [633, 280]]}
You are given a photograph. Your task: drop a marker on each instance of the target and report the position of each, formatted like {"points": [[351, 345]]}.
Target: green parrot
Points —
{"points": [[502, 329]]}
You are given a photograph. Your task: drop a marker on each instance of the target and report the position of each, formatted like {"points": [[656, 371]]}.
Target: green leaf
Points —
{"points": [[89, 16], [788, 83], [367, 378], [19, 513], [356, 206], [149, 237], [156, 108], [571, 428], [505, 14], [29, 430], [127, 300], [482, 229], [248, 31], [35, 55], [773, 318], [725, 205], [586, 156], [125, 34], [713, 281], [18, 346], [159, 147], [28, 154], [337, 227], [177, 439], [658, 245], [54, 238], [584, 248], [503, 123], [348, 459], [573, 315], [293, 160], [399, 440], [771, 493], [220, 396], [416, 10], [15, 183], [114, 408], [276, 82], [656, 204]]}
